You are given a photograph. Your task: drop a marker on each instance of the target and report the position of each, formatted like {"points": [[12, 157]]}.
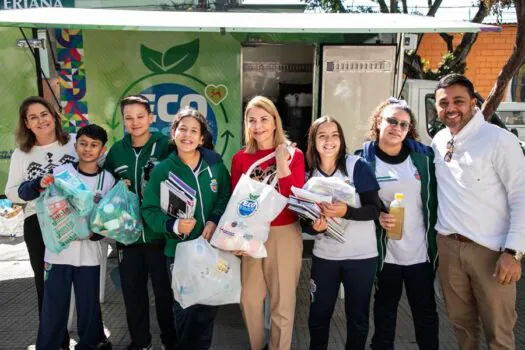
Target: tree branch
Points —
{"points": [[449, 39], [433, 9], [510, 68], [412, 66], [383, 6], [405, 7], [393, 6], [462, 50]]}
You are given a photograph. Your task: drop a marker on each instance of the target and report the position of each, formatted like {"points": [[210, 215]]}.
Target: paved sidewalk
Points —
{"points": [[18, 312]]}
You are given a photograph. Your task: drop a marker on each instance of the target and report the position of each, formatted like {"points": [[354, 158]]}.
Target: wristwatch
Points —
{"points": [[515, 253]]}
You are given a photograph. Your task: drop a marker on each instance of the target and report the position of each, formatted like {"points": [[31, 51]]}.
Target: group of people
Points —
{"points": [[463, 200]]}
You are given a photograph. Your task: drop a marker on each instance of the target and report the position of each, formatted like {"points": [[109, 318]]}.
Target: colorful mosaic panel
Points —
{"points": [[72, 75]]}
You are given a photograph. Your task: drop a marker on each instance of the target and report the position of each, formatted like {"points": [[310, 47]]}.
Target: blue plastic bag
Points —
{"points": [[117, 215], [59, 221], [77, 192]]}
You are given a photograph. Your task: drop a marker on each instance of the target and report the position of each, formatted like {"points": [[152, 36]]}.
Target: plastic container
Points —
{"points": [[397, 208]]}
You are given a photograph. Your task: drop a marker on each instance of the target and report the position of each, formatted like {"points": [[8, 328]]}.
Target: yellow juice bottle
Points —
{"points": [[397, 208]]}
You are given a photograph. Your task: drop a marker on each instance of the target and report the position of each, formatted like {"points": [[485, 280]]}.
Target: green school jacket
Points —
{"points": [[423, 158], [212, 184], [124, 163]]}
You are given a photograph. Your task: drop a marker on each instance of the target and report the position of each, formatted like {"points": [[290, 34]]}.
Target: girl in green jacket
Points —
{"points": [[204, 171], [404, 165]]}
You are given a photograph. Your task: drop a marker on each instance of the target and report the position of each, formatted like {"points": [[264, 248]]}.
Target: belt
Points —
{"points": [[459, 238]]}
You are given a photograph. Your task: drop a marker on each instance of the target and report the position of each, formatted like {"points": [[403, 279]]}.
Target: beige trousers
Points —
{"points": [[472, 294], [279, 274]]}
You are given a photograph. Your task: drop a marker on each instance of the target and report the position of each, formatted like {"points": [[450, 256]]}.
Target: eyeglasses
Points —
{"points": [[394, 122], [450, 150]]}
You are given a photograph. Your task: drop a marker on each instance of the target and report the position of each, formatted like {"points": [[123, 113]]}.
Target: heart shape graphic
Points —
{"points": [[216, 93]]}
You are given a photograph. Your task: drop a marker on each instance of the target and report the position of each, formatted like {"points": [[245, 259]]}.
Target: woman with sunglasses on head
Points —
{"points": [[404, 165]]}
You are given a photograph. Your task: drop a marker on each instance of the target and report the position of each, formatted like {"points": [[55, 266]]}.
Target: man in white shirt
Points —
{"points": [[480, 171]]}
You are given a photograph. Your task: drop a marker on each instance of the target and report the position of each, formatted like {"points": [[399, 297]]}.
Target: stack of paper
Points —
{"points": [[307, 208], [177, 199]]}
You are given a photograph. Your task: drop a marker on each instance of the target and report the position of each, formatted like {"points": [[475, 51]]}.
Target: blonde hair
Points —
{"points": [[267, 105]]}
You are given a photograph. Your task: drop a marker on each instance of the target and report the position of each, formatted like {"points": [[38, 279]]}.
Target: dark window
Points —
{"points": [[433, 122]]}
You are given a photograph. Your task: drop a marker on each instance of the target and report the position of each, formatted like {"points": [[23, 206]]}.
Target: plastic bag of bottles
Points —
{"points": [[117, 215]]}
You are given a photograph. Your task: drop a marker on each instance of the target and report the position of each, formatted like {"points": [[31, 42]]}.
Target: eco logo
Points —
{"points": [[177, 90], [247, 207]]}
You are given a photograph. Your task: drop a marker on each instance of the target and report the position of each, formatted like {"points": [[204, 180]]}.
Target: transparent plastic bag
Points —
{"points": [[117, 215], [246, 221], [59, 221], [335, 187], [205, 275], [11, 219], [77, 192]]}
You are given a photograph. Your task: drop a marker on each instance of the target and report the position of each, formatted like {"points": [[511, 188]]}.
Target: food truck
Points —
{"points": [[309, 64]]}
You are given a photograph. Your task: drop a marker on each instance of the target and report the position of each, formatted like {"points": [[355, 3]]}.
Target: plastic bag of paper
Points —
{"points": [[117, 215], [205, 275], [59, 221], [77, 192], [11, 219], [334, 187]]}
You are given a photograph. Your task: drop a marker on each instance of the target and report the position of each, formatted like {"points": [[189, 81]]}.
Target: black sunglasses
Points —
{"points": [[450, 150], [394, 122]]}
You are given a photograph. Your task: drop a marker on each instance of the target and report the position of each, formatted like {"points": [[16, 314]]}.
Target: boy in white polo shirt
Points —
{"points": [[79, 263]]}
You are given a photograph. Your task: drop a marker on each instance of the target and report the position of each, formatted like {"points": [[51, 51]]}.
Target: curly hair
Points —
{"points": [[375, 119]]}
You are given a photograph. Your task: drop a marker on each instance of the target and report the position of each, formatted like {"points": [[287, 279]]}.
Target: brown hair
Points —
{"points": [[24, 137], [267, 105], [195, 114], [312, 155], [375, 119]]}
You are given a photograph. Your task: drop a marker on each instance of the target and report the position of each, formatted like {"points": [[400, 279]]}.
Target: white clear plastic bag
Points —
{"points": [[253, 206], [332, 186], [12, 221], [205, 275]]}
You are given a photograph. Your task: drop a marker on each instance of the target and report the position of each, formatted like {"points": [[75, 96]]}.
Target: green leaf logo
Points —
{"points": [[176, 59], [253, 196], [151, 59]]}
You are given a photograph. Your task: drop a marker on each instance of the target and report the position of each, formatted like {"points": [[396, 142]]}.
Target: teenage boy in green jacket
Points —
{"points": [[131, 159]]}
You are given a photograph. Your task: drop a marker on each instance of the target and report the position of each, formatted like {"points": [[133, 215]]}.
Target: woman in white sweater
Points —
{"points": [[42, 145]]}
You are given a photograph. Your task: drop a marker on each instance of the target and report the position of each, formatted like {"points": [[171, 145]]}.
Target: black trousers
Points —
{"points": [[136, 264], [357, 277], [194, 324], [419, 285], [36, 249]]}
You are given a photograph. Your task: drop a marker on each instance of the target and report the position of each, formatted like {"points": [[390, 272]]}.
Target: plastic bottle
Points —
{"points": [[397, 208]]}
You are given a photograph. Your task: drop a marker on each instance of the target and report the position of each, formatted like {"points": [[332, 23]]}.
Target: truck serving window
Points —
{"points": [[433, 122]]}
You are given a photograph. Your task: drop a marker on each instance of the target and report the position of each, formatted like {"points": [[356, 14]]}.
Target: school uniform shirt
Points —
{"points": [[39, 161], [399, 175], [84, 252], [360, 235]]}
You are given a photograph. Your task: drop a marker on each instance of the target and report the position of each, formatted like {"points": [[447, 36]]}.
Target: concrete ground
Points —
{"points": [[19, 324]]}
